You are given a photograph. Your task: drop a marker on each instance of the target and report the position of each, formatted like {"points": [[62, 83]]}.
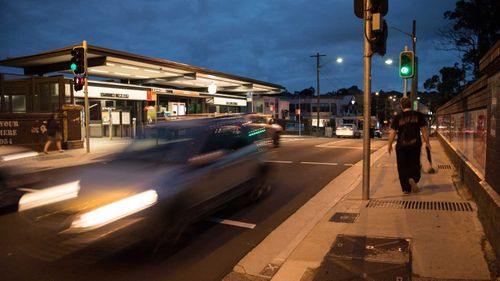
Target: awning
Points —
{"points": [[141, 70]]}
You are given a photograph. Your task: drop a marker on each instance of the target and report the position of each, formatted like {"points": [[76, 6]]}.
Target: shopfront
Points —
{"points": [[27, 103], [115, 108], [125, 90]]}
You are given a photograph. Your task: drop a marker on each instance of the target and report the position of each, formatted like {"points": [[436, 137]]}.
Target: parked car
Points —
{"points": [[178, 173], [348, 130]]}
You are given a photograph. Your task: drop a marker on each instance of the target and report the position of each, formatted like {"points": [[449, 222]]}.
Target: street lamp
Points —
{"points": [[340, 60], [388, 61]]}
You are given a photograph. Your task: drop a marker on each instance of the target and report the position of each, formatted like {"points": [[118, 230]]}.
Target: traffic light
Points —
{"points": [[378, 6], [78, 83], [406, 64], [78, 60], [379, 43]]}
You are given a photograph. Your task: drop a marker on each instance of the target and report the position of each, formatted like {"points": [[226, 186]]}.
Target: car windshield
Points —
{"points": [[165, 145]]}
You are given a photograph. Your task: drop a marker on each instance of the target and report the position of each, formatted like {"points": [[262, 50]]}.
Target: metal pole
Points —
{"points": [[110, 113], [414, 80], [300, 115], [405, 86], [366, 110], [86, 95], [317, 83]]}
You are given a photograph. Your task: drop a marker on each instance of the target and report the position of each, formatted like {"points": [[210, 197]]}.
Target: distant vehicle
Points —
{"points": [[377, 133], [178, 173], [348, 130]]}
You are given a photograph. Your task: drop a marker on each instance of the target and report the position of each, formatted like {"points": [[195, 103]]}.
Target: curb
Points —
{"points": [[266, 258]]}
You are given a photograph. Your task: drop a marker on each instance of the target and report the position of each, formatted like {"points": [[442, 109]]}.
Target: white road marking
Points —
{"points": [[319, 163], [233, 223], [279, 161]]}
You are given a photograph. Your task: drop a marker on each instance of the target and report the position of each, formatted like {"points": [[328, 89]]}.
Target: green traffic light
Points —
{"points": [[405, 70], [73, 66]]}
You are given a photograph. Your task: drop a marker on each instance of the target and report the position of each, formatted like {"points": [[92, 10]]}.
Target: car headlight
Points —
{"points": [[116, 210]]}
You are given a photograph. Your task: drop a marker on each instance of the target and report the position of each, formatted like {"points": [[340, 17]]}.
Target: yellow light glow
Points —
{"points": [[49, 195], [116, 210]]}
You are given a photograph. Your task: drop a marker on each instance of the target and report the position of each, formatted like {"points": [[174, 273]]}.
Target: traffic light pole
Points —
{"points": [[366, 108], [86, 95], [414, 80]]}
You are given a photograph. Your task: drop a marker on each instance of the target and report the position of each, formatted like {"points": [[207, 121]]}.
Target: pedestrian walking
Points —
{"points": [[407, 126], [53, 133]]}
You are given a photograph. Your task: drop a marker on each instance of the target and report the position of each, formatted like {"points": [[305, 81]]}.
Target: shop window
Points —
{"points": [[121, 104], [95, 110], [42, 98], [18, 103], [6, 103], [54, 89], [109, 103], [334, 108]]}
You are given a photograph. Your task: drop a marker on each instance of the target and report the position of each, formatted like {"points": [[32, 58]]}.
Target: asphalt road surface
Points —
{"points": [[208, 250]]}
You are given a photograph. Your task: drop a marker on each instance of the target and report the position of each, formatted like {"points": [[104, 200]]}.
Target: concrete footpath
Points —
{"points": [[431, 235]]}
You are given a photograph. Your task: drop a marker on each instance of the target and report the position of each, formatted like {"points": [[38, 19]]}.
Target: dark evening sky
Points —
{"points": [[268, 40]]}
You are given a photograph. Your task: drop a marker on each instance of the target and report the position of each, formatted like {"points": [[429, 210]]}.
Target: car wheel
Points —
{"points": [[276, 140], [260, 189]]}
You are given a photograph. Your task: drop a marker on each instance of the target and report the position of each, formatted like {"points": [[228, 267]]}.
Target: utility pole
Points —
{"points": [[86, 98], [414, 80], [367, 35], [317, 56]]}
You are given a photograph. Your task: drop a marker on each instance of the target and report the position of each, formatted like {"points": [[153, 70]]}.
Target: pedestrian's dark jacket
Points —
{"points": [[53, 127], [408, 124]]}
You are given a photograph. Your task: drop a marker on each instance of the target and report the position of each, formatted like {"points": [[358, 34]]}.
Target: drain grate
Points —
{"points": [[421, 205], [344, 217], [444, 166]]}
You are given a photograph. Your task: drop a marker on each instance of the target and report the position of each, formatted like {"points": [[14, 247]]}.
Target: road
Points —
{"points": [[208, 251]]}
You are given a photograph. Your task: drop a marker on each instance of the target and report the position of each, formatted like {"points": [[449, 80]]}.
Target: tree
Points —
{"points": [[475, 29], [445, 86], [308, 92]]}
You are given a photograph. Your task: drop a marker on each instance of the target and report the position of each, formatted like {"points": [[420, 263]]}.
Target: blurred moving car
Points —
{"points": [[176, 174], [348, 130], [267, 122]]}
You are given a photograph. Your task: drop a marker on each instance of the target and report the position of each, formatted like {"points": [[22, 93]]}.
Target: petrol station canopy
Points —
{"points": [[140, 70]]}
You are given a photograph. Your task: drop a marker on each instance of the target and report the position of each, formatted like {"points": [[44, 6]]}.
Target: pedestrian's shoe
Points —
{"points": [[406, 192], [45, 152], [414, 186]]}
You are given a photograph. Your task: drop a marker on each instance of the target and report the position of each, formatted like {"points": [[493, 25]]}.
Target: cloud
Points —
{"points": [[261, 39]]}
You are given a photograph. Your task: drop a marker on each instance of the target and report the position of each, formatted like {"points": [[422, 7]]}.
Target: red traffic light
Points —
{"points": [[78, 83]]}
